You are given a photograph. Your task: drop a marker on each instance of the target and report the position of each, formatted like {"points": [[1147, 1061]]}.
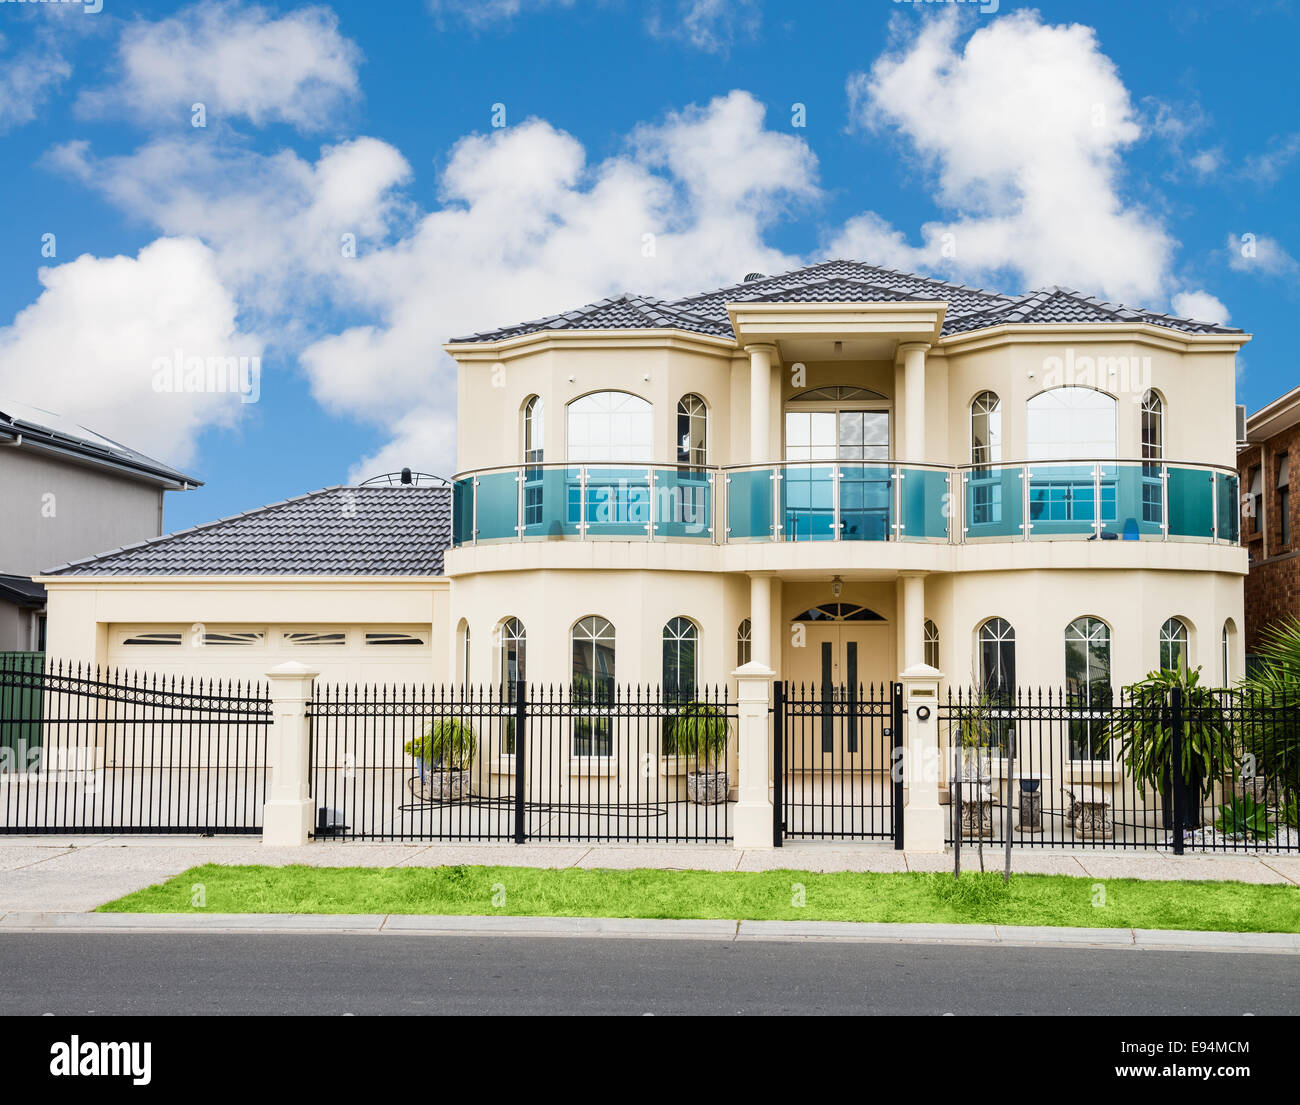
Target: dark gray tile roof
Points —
{"points": [[21, 591], [47, 432], [844, 281], [398, 531]]}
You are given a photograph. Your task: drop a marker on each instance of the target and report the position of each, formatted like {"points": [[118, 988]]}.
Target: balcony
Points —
{"points": [[848, 501]]}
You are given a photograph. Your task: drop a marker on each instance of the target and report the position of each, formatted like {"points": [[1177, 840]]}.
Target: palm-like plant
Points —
{"points": [[1272, 739], [448, 743], [700, 730]]}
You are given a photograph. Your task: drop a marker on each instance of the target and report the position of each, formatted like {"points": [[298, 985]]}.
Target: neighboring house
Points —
{"points": [[65, 492], [843, 472], [1271, 527], [347, 579]]}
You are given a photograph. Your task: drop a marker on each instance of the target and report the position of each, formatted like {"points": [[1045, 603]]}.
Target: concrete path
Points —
{"points": [[74, 874], [399, 924]]}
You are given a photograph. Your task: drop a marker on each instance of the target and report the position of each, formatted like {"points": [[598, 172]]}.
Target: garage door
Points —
{"points": [[342, 653]]}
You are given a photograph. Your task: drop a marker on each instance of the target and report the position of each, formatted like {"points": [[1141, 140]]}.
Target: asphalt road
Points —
{"points": [[177, 974]]}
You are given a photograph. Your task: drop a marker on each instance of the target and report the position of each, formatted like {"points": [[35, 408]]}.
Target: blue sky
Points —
{"points": [[1141, 152]]}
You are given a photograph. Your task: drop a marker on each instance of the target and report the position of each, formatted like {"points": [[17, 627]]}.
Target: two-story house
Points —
{"points": [[66, 492], [843, 472]]}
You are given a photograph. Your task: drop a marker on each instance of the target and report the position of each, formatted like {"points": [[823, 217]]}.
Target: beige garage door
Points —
{"points": [[342, 653]]}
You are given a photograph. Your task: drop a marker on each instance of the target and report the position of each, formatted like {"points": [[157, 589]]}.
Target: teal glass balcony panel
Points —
{"points": [[1227, 507], [547, 501], [1137, 500], [683, 502], [497, 512], [808, 502], [925, 504], [618, 502], [1191, 503], [866, 502], [462, 511], [1063, 500], [749, 504], [994, 503]]}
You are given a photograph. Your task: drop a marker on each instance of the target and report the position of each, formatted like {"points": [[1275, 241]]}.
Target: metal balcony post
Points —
{"points": [[1096, 501], [654, 503], [1026, 526], [474, 511], [582, 503], [837, 522], [1164, 502]]}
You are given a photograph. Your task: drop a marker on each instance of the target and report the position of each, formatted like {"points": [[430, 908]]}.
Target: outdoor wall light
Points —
{"points": [[837, 585]]}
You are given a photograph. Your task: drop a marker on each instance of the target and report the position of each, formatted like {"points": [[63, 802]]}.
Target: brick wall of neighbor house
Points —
{"points": [[1273, 585]]}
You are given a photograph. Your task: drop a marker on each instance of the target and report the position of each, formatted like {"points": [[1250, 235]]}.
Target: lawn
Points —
{"points": [[768, 895]]}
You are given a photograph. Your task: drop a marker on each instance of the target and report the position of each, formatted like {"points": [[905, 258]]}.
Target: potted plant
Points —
{"points": [[444, 752], [1145, 739], [700, 732], [977, 732]]}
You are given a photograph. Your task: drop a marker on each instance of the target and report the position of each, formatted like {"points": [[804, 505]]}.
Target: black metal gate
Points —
{"points": [[837, 763]]}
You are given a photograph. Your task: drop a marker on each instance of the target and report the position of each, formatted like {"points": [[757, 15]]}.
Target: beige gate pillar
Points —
{"points": [[752, 827], [922, 815], [289, 814]]}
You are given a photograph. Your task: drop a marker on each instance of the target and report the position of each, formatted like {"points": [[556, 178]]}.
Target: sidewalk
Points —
{"points": [[653, 929], [72, 874]]}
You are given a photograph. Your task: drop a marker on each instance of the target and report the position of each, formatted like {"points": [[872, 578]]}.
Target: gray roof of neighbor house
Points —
{"points": [[51, 434], [847, 282], [397, 531]]}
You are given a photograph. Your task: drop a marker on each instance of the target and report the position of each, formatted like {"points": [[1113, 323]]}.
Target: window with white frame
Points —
{"points": [[592, 641], [681, 639], [1087, 682], [997, 657], [1071, 423], [986, 429], [692, 431], [1173, 646], [1153, 426], [931, 644], [534, 430], [611, 426], [744, 643]]}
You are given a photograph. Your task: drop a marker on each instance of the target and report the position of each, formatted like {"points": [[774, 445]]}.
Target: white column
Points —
{"points": [[760, 403], [913, 618], [760, 620], [752, 827], [922, 816], [913, 354], [289, 814]]}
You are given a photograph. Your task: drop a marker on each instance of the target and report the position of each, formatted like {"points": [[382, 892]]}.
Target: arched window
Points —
{"points": [[1071, 424], [1229, 637], [986, 429], [744, 643], [1087, 681], [997, 652], [464, 652], [534, 430], [1153, 426], [692, 431], [681, 640], [611, 426], [513, 642], [593, 684], [931, 643], [1173, 646]]}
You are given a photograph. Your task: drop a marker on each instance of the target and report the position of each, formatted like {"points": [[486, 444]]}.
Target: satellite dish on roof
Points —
{"points": [[406, 478], [750, 277]]}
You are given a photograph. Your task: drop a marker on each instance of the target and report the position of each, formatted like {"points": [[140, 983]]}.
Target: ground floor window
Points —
{"points": [[1173, 646], [744, 643], [931, 644], [1087, 683], [593, 685]]}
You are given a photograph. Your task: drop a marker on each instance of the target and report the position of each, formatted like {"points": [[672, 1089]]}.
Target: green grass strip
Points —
{"points": [[767, 895]]}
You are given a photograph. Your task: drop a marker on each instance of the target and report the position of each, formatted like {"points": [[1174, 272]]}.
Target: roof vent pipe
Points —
{"points": [[406, 475]]}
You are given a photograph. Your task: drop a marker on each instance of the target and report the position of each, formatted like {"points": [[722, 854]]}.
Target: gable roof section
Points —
{"points": [[397, 531], [46, 432], [843, 281]]}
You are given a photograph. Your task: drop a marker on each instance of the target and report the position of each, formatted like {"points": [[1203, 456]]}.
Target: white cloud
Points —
{"points": [[1266, 168], [709, 25], [87, 346], [1022, 128], [1258, 253], [239, 62], [1206, 162], [1201, 306], [28, 78], [482, 13]]}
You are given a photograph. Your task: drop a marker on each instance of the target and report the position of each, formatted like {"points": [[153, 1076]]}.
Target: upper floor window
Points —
{"points": [[534, 427], [1257, 500], [1173, 646], [1153, 426], [837, 423], [1284, 499], [986, 429], [1071, 424], [692, 431], [611, 426]]}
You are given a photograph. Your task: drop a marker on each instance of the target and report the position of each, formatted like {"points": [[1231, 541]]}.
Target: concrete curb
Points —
{"points": [[651, 928]]}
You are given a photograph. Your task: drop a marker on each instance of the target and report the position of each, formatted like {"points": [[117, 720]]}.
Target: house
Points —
{"points": [[839, 473], [1271, 520], [346, 579], [843, 472], [66, 492]]}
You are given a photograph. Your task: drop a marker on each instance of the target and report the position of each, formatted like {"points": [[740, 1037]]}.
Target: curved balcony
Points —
{"points": [[848, 501]]}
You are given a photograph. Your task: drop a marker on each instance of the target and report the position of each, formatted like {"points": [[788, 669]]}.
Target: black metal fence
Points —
{"points": [[1183, 769], [837, 771], [91, 751], [522, 763]]}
